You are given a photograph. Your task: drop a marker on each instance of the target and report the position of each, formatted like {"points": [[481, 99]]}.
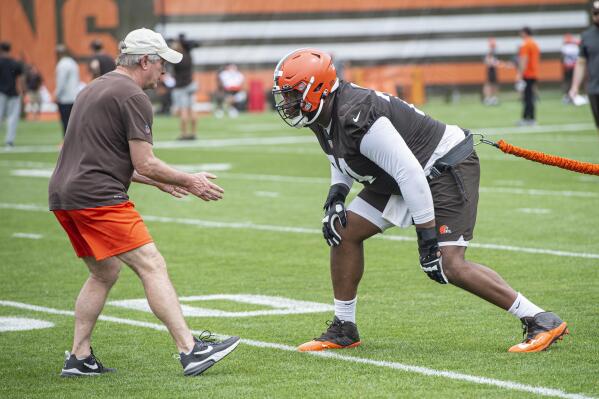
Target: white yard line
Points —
{"points": [[500, 131], [182, 145], [308, 138], [46, 173], [31, 236], [503, 384], [308, 230]]}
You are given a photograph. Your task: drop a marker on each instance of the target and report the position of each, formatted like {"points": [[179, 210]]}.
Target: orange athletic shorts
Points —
{"points": [[104, 231]]}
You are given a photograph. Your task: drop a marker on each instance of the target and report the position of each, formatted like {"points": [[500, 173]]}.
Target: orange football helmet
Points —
{"points": [[302, 80]]}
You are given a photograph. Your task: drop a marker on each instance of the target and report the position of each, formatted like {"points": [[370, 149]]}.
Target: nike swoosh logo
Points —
{"points": [[91, 366], [357, 117], [208, 349]]}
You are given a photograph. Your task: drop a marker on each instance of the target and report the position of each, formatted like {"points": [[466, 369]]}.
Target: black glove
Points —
{"points": [[334, 208], [430, 255]]}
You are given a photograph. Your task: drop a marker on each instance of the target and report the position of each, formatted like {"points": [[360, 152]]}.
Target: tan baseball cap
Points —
{"points": [[146, 41]]}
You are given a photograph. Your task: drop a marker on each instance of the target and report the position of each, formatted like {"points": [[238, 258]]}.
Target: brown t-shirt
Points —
{"points": [[94, 167]]}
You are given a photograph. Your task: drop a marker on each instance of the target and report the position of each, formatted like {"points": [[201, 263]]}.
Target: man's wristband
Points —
{"points": [[427, 239], [337, 192]]}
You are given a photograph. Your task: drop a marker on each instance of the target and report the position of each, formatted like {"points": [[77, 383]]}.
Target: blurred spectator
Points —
{"points": [[183, 94], [569, 57], [219, 95], [528, 72], [33, 83], [67, 84], [589, 61], [490, 87], [11, 88], [164, 92], [231, 80], [100, 62]]}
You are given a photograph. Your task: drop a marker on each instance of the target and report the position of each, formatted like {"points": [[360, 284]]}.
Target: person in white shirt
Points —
{"points": [[67, 84], [231, 80]]}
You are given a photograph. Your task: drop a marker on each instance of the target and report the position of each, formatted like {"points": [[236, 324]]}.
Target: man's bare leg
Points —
{"points": [[150, 266], [183, 120], [192, 121], [347, 268], [476, 279], [347, 259], [91, 300]]}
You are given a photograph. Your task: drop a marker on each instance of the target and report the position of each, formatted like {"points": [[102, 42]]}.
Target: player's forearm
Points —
{"points": [[137, 178], [339, 178], [419, 199], [158, 171], [384, 146]]}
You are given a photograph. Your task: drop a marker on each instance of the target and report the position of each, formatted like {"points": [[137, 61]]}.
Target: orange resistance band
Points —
{"points": [[537, 156]]}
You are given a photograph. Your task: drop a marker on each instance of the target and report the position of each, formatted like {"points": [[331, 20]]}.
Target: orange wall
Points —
{"points": [[36, 44], [185, 7]]}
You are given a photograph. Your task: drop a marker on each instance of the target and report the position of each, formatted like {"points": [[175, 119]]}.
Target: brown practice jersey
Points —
{"points": [[94, 167], [355, 110]]}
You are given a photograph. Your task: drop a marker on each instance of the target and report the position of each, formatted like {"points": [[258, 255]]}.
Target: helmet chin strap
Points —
{"points": [[302, 122]]}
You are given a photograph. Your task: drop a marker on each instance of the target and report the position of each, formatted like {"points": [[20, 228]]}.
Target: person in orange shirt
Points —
{"points": [[528, 72]]}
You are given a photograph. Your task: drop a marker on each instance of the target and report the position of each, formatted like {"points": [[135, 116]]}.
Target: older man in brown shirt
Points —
{"points": [[107, 145]]}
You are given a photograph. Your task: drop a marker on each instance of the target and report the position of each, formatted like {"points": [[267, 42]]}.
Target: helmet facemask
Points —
{"points": [[289, 102]]}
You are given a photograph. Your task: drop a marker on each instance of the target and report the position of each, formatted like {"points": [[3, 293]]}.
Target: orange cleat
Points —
{"points": [[541, 331], [339, 335]]}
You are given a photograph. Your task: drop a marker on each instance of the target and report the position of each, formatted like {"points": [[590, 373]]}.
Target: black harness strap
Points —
{"points": [[456, 155]]}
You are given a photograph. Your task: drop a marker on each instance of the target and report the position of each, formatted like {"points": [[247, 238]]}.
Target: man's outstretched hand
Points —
{"points": [[203, 188], [175, 191]]}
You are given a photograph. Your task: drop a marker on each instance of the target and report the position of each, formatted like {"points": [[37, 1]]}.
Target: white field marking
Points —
{"points": [[45, 173], [31, 236], [216, 143], [535, 211], [306, 230], [209, 167], [202, 143], [38, 149], [539, 192], [253, 141], [27, 164], [565, 139], [260, 127], [509, 182], [570, 127], [282, 306], [589, 178], [267, 194], [323, 180], [504, 384], [22, 324]]}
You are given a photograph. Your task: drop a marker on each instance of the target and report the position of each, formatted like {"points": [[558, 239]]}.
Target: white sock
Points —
{"points": [[522, 307], [346, 310]]}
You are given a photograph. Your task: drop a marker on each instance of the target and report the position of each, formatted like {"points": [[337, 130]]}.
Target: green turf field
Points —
{"points": [[537, 226]]}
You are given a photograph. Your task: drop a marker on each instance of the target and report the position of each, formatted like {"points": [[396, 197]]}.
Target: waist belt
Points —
{"points": [[455, 156]]}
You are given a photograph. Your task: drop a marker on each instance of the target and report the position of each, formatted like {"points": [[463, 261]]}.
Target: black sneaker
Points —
{"points": [[90, 366], [540, 332], [206, 352], [339, 335]]}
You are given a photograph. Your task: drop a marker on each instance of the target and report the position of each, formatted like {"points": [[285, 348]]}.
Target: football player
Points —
{"points": [[414, 170]]}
